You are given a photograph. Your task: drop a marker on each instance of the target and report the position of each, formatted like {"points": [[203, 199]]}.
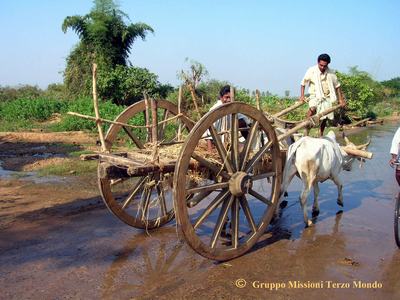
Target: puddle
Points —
{"points": [[31, 176]]}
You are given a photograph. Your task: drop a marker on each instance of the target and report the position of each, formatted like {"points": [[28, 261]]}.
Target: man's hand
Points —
{"points": [[302, 99], [393, 160]]}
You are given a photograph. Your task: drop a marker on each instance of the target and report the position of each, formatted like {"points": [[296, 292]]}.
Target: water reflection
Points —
{"points": [[149, 264]]}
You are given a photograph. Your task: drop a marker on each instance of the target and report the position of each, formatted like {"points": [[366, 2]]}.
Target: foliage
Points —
{"points": [[39, 109], [392, 87], [104, 39], [84, 106], [23, 91], [126, 85], [359, 92], [194, 75], [55, 91]]}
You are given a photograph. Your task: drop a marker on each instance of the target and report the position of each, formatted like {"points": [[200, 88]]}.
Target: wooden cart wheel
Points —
{"points": [[142, 202], [242, 175]]}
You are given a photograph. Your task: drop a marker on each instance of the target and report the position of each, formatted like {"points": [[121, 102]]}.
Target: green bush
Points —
{"points": [[20, 92], [84, 106], [39, 109]]}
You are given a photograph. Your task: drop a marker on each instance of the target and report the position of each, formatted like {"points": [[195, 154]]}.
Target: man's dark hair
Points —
{"points": [[224, 90], [324, 57]]}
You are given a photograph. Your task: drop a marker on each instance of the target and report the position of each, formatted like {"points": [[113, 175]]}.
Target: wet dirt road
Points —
{"points": [[77, 249]]}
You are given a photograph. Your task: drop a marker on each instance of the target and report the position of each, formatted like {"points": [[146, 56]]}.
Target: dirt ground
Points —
{"points": [[57, 239]]}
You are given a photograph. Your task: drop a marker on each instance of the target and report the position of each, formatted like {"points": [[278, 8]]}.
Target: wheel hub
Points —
{"points": [[240, 183]]}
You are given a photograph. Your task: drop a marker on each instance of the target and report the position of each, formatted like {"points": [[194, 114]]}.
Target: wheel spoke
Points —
{"points": [[258, 156], [163, 125], [260, 197], [247, 146], [211, 207], [235, 142], [221, 149], [133, 137], [161, 199], [145, 204], [137, 188], [263, 175], [220, 221], [207, 188], [247, 212], [211, 166], [191, 202], [235, 222]]}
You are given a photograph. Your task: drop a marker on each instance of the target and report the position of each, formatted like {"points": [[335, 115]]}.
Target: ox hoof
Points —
{"points": [[315, 213], [309, 223], [285, 194], [340, 203], [283, 204], [274, 219]]}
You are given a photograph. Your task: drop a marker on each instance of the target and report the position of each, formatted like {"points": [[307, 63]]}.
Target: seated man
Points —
{"points": [[225, 97]]}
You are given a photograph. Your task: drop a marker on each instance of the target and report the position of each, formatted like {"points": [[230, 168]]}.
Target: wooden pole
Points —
{"points": [[258, 100], [232, 92], [362, 122], [288, 109], [103, 120], [96, 109], [154, 133], [179, 113], [147, 117], [310, 121]]}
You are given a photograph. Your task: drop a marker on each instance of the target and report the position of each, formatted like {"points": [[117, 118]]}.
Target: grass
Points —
{"points": [[71, 167]]}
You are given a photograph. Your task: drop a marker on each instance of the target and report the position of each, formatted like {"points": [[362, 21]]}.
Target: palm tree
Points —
{"points": [[104, 38]]}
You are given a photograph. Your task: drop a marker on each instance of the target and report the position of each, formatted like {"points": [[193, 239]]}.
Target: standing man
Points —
{"points": [[395, 153], [324, 89]]}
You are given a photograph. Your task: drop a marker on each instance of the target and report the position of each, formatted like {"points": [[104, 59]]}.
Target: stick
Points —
{"points": [[309, 121], [360, 122], [147, 117], [258, 100], [179, 113], [96, 110], [288, 109], [103, 120]]}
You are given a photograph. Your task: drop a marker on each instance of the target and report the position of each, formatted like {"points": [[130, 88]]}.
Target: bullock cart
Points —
{"points": [[160, 167]]}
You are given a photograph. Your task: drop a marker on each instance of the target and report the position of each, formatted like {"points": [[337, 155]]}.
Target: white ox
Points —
{"points": [[315, 160]]}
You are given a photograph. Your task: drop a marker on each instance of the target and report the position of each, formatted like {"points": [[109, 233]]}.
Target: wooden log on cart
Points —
{"points": [[315, 119], [372, 122], [288, 109], [360, 123], [310, 121]]}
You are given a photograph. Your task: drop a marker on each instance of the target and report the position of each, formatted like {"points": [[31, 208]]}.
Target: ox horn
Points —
{"points": [[347, 141], [363, 146]]}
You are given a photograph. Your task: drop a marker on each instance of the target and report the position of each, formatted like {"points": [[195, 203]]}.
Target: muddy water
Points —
{"points": [[76, 251]]}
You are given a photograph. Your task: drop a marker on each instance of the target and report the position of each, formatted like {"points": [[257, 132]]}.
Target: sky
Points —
{"points": [[253, 44]]}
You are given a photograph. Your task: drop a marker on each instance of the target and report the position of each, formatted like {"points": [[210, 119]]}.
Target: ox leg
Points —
{"points": [[287, 178], [303, 202], [339, 185], [315, 209]]}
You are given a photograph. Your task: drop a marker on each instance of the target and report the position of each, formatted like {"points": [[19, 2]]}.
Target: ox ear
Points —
{"points": [[331, 135]]}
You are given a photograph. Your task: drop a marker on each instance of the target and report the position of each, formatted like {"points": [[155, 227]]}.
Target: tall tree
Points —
{"points": [[104, 38], [191, 78]]}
